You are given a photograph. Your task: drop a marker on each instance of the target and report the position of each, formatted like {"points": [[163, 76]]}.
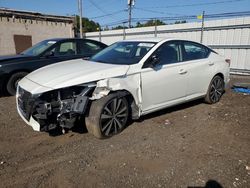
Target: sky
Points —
{"points": [[96, 9]]}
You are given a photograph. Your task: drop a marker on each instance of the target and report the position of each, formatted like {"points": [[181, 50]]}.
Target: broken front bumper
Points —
{"points": [[25, 103], [43, 113]]}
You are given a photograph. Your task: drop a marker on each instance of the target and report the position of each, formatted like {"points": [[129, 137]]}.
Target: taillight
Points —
{"points": [[228, 61]]}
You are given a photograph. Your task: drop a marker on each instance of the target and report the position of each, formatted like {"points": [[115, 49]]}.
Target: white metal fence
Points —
{"points": [[229, 37]]}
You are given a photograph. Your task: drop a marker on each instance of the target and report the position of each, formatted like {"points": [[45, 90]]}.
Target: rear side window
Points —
{"points": [[65, 49], [89, 48], [193, 51]]}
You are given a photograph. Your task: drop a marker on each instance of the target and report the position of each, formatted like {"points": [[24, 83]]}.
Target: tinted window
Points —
{"points": [[168, 53], [89, 48], [192, 51], [65, 48]]}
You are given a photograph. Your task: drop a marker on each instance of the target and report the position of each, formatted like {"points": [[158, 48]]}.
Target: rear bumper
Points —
{"points": [[227, 80]]}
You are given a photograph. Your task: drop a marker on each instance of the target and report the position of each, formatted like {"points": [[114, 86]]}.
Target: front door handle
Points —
{"points": [[182, 71]]}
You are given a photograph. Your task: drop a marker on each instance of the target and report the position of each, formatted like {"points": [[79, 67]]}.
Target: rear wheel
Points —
{"points": [[13, 82], [108, 116], [215, 90]]}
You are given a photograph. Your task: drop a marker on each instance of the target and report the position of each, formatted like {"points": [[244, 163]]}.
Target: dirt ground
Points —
{"points": [[191, 145]]}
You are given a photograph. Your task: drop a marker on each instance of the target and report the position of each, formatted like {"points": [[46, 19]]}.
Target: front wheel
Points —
{"points": [[13, 81], [215, 90], [108, 116]]}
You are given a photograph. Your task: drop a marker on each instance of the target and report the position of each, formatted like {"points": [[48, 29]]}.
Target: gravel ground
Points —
{"points": [[191, 145]]}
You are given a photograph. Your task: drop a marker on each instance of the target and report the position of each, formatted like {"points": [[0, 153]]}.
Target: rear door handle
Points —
{"points": [[182, 71], [211, 63]]}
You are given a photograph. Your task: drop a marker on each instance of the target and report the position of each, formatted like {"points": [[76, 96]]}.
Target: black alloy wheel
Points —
{"points": [[216, 90], [108, 116], [114, 116]]}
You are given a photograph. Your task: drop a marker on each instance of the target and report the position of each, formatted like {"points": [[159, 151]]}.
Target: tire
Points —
{"points": [[13, 81], [108, 116], [215, 90]]}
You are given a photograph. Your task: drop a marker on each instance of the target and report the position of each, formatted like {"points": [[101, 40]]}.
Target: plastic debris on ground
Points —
{"points": [[242, 88], [167, 122]]}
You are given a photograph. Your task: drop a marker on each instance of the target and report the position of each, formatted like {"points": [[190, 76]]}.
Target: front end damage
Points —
{"points": [[52, 109], [62, 107]]}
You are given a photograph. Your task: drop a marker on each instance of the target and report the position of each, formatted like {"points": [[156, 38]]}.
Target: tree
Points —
{"points": [[180, 22], [119, 27], [150, 23], [138, 24], [88, 25]]}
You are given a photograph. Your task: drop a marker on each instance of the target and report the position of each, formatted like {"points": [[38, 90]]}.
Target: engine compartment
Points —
{"points": [[61, 107]]}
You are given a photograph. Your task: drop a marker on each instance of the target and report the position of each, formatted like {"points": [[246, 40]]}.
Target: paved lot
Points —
{"points": [[186, 146]]}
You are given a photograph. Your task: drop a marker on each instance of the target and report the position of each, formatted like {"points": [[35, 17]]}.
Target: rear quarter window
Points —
{"points": [[193, 51]]}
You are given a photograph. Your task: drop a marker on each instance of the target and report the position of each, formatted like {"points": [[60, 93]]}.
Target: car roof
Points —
{"points": [[150, 39], [62, 39]]}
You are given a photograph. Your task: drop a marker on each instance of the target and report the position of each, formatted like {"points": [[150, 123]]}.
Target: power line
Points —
{"points": [[196, 4], [110, 14], [192, 17], [96, 6], [100, 9], [154, 11], [176, 18]]}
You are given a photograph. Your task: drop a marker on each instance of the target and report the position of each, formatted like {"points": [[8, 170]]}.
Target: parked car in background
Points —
{"points": [[14, 68], [126, 80]]}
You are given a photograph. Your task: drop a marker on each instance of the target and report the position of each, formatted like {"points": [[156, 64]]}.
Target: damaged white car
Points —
{"points": [[126, 80]]}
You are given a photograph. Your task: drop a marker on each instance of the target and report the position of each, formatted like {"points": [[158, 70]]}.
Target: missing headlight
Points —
{"points": [[61, 107]]}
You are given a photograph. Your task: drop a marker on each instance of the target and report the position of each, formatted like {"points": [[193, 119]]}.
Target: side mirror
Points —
{"points": [[49, 54], [86, 58], [155, 60]]}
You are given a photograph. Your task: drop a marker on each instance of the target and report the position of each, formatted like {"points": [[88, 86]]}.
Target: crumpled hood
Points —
{"points": [[74, 72]]}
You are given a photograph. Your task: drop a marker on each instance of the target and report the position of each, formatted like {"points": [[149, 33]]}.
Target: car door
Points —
{"points": [[200, 68], [166, 83]]}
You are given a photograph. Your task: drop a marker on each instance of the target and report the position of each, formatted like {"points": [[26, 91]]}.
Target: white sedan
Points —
{"points": [[128, 79]]}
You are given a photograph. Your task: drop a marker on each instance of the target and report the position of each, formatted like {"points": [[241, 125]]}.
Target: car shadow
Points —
{"points": [[80, 127], [4, 94], [209, 184], [170, 110]]}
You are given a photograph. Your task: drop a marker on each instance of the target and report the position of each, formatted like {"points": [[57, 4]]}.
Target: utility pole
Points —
{"points": [[202, 26], [124, 34], [80, 15], [155, 27], [130, 4]]}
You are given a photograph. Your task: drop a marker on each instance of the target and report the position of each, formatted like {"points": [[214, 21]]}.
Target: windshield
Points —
{"points": [[123, 53], [38, 48]]}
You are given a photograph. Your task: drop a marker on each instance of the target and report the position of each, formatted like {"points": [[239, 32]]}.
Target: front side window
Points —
{"points": [[123, 53], [168, 53], [39, 48], [193, 51]]}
